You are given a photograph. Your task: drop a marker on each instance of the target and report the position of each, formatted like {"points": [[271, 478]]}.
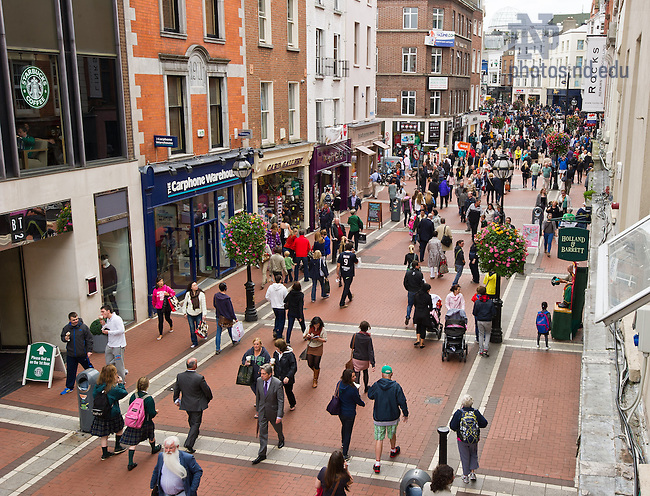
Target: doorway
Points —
{"points": [[14, 324]]}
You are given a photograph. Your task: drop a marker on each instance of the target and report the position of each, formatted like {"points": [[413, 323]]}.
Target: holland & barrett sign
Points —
{"points": [[573, 244]]}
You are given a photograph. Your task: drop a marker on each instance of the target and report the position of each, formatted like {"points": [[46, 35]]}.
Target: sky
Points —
{"points": [[535, 7]]}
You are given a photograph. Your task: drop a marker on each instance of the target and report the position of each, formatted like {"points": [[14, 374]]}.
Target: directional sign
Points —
{"points": [[40, 362], [245, 133]]}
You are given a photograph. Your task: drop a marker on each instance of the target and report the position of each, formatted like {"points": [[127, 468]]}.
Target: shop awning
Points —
{"points": [[381, 145], [365, 150]]}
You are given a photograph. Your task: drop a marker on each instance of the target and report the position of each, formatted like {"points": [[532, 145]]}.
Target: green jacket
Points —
{"points": [[355, 223], [114, 396]]}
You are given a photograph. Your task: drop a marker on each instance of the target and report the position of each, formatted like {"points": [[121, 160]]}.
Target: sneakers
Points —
{"points": [[159, 337], [347, 458], [394, 453], [66, 391], [193, 346], [119, 449], [548, 348], [472, 476], [465, 479], [343, 306], [537, 345], [376, 468]]}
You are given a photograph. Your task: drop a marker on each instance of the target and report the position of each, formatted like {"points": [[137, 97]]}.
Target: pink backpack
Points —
{"points": [[134, 416]]}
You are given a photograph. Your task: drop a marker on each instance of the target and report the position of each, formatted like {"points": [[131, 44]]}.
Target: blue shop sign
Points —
{"points": [[165, 141]]}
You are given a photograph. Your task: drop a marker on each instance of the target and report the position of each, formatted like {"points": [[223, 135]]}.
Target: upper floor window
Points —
{"points": [[177, 108], [216, 113], [581, 45], [410, 16], [409, 57], [408, 102], [320, 51], [294, 111], [356, 43], [292, 23], [171, 16], [436, 60], [266, 109], [438, 18], [212, 19], [264, 21]]}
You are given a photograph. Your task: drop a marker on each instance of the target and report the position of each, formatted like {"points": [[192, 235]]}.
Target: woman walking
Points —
{"points": [[112, 386], [334, 480], [295, 304], [435, 256], [422, 316], [318, 271], [256, 356], [363, 355], [548, 230], [455, 298], [160, 301], [316, 336], [285, 368], [467, 423], [195, 308], [135, 435], [349, 399], [225, 314], [410, 257], [441, 480]]}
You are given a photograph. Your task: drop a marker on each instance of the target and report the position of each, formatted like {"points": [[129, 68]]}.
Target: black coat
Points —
{"points": [[295, 302], [423, 308], [425, 230], [285, 366]]}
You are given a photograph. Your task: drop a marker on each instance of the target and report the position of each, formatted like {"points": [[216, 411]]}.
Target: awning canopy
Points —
{"points": [[381, 145], [365, 150]]}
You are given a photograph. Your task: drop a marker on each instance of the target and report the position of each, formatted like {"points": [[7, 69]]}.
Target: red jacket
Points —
{"points": [[291, 242], [302, 246]]}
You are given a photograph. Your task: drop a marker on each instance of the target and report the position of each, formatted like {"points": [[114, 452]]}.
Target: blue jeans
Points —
{"points": [[314, 283], [548, 241], [71, 364], [280, 317], [193, 322], [301, 261], [459, 271], [409, 306], [217, 339], [533, 181], [292, 319]]}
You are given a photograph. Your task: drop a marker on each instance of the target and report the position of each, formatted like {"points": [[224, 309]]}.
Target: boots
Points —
{"points": [[315, 381]]}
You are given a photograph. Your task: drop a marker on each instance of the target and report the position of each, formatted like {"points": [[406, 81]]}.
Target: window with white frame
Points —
{"points": [[177, 110], [410, 18], [581, 45], [355, 102], [294, 111], [475, 26], [457, 62], [336, 103], [408, 102], [368, 45], [356, 43], [337, 5], [436, 60], [435, 98], [409, 57], [471, 97], [264, 21], [320, 137], [473, 60], [292, 23], [320, 51], [480, 28], [336, 44], [438, 18], [216, 112], [266, 109], [367, 102]]}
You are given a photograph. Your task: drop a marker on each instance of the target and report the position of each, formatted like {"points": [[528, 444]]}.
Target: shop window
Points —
{"points": [[434, 103], [176, 108], [294, 111], [408, 102], [213, 15], [216, 113], [266, 109], [173, 261]]}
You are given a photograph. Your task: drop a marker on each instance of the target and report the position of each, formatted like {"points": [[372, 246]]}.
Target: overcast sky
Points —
{"points": [[533, 8]]}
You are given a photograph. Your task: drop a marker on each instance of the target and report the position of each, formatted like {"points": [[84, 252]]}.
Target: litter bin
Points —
{"points": [[395, 210], [538, 216], [86, 381], [413, 481]]}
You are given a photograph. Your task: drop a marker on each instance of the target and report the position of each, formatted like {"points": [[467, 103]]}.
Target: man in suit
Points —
{"points": [[354, 202], [192, 394], [183, 473], [425, 232], [269, 401]]}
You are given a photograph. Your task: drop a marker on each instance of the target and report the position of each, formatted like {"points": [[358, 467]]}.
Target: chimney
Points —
{"points": [[569, 23]]}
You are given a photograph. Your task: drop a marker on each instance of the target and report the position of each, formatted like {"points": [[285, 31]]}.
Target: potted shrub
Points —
{"points": [[100, 340], [588, 195]]}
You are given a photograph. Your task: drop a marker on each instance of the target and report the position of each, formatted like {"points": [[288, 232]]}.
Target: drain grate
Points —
{"points": [[432, 400]]}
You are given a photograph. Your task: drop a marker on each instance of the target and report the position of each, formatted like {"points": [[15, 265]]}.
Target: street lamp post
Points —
{"points": [[242, 169], [502, 169]]}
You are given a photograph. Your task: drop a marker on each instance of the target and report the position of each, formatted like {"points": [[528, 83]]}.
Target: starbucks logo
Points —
{"points": [[34, 87], [38, 371]]}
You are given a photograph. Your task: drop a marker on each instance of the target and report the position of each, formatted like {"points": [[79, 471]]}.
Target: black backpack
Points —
{"points": [[101, 406]]}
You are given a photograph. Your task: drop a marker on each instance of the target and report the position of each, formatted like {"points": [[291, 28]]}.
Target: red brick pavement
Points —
{"points": [[18, 443]]}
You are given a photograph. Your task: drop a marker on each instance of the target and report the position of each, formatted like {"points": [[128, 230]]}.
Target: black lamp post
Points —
{"points": [[242, 169], [502, 169]]}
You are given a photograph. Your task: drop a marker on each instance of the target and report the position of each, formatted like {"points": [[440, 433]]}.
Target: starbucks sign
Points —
{"points": [[34, 87]]}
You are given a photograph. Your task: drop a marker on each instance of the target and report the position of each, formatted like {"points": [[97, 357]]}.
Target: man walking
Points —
{"points": [[225, 314], [275, 295], [356, 225], [413, 282], [483, 312], [345, 271], [78, 349], [113, 326], [338, 233], [459, 260], [474, 216], [269, 402], [192, 394], [374, 178], [425, 232], [176, 472], [303, 246], [389, 399]]}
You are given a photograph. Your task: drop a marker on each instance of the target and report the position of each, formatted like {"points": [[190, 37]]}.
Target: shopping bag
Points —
{"points": [[444, 268], [237, 331], [303, 355], [202, 329], [245, 375], [362, 238], [326, 285]]}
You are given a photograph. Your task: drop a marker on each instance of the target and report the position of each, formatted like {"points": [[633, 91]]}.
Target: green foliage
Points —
{"points": [[558, 143], [96, 327], [501, 249], [245, 238], [498, 122], [64, 220], [572, 123]]}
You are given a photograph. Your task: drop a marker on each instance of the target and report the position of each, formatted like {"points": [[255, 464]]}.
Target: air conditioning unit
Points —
{"points": [[611, 32]]}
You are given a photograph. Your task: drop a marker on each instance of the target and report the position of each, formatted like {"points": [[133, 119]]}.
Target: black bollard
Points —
{"points": [[442, 447]]}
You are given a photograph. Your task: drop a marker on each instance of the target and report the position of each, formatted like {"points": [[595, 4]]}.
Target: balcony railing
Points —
{"points": [[328, 66]]}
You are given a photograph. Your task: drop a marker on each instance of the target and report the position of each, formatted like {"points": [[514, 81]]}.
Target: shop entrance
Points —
{"points": [[14, 327], [211, 255]]}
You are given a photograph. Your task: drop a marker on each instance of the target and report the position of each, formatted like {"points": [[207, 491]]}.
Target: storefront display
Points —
{"points": [[363, 137], [330, 166]]}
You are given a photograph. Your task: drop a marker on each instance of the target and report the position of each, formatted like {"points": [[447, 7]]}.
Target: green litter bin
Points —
{"points": [[561, 326]]}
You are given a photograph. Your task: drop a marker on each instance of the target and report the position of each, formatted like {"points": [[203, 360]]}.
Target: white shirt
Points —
{"points": [[170, 482], [116, 332], [276, 295]]}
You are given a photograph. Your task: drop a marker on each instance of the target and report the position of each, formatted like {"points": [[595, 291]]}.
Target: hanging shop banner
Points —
{"points": [[573, 244], [594, 75], [41, 361], [440, 38]]}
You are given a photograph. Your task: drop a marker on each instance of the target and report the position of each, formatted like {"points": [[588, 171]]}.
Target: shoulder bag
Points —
{"points": [[245, 375], [446, 239], [334, 406], [348, 364]]}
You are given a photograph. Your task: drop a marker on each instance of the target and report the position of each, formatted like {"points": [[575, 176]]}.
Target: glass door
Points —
{"points": [[206, 239]]}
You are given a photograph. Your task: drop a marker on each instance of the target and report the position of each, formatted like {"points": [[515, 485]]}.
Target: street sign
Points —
{"points": [[244, 133], [41, 361], [573, 244], [165, 141]]}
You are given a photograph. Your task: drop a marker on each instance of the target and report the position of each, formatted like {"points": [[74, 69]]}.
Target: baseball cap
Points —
{"points": [[386, 369]]}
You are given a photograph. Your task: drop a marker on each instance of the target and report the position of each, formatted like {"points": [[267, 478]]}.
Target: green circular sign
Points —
{"points": [[34, 87]]}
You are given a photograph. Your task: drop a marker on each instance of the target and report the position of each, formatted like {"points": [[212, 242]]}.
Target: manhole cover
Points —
{"points": [[432, 400]]}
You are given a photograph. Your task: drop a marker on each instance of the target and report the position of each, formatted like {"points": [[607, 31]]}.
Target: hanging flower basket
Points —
{"points": [[498, 122], [572, 123], [64, 220], [501, 249], [558, 143], [245, 238], [531, 100]]}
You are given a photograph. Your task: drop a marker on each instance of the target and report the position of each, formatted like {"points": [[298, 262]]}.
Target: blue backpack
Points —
{"points": [[543, 322]]}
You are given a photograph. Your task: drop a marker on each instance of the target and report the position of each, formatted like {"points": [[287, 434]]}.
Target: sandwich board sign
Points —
{"points": [[41, 361]]}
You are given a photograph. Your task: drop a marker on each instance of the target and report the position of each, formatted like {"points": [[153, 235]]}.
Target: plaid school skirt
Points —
{"points": [[102, 427], [133, 436]]}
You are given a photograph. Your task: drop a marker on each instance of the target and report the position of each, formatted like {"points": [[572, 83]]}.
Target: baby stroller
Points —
{"points": [[435, 316], [455, 328]]}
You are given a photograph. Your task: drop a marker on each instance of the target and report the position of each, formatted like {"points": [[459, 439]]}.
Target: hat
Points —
{"points": [[386, 369]]}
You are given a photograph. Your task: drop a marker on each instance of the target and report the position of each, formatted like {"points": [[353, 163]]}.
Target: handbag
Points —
{"points": [[348, 364], [362, 238], [224, 322], [202, 329], [237, 331], [303, 355], [326, 285], [446, 240], [334, 406], [444, 268], [245, 375]]}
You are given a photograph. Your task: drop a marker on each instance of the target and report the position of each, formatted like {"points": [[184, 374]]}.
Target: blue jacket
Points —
{"points": [[484, 309], [190, 482], [454, 425], [389, 398], [349, 398]]}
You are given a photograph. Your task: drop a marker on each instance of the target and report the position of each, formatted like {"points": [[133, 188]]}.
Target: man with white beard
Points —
{"points": [[177, 473]]}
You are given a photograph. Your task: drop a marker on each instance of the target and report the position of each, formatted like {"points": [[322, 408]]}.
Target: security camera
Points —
{"points": [[260, 154]]}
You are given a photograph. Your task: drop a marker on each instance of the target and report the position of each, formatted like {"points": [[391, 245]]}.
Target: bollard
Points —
{"points": [[442, 448]]}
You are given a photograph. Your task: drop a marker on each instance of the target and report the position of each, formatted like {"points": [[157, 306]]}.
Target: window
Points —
{"points": [[320, 51], [471, 97], [473, 60], [176, 108], [367, 102], [581, 45], [266, 109], [355, 102], [294, 112], [475, 26], [494, 78], [264, 23], [368, 45], [436, 60], [434, 102], [335, 110], [578, 61], [337, 48], [337, 5], [319, 122], [457, 62], [356, 43], [408, 102], [212, 28], [410, 18], [216, 113], [480, 28], [438, 18], [409, 56], [292, 27], [171, 16], [453, 20]]}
